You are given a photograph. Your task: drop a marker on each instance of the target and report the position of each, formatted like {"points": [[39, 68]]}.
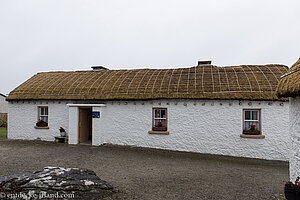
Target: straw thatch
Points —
{"points": [[289, 85], [253, 82]]}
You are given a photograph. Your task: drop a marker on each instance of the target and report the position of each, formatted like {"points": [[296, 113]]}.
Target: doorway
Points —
{"points": [[85, 126]]}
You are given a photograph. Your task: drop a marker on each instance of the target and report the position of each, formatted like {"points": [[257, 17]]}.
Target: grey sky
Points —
{"points": [[52, 35]]}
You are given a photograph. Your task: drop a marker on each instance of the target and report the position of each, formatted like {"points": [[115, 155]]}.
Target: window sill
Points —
{"points": [[159, 132], [38, 127], [252, 136]]}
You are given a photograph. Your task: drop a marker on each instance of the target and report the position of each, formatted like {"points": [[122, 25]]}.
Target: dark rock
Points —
{"points": [[77, 182]]}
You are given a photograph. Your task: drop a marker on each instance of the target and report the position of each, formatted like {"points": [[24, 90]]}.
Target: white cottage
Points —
{"points": [[207, 109], [3, 104], [289, 86]]}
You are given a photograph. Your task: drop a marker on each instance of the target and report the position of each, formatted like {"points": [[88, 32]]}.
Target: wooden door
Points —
{"points": [[83, 125]]}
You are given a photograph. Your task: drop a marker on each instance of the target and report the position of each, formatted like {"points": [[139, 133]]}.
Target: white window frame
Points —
{"points": [[44, 115], [154, 128], [250, 120]]}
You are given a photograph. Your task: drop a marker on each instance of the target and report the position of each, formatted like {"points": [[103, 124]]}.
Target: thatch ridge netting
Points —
{"points": [[289, 85], [254, 82]]}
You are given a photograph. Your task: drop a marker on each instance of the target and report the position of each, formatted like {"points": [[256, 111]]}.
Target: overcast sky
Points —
{"points": [[44, 35]]}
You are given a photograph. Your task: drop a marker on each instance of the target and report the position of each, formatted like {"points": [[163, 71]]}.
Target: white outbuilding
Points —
{"points": [[3, 109], [289, 86], [207, 109], [3, 104]]}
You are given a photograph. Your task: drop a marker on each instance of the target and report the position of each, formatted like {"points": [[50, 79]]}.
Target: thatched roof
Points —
{"points": [[289, 85], [253, 82]]}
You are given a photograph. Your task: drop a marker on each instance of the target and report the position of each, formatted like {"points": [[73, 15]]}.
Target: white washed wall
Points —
{"points": [[194, 125], [22, 118], [3, 105], [73, 125], [295, 138], [211, 128]]}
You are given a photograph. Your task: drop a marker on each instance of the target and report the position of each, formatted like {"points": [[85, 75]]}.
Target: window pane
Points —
{"points": [[247, 126], [163, 113], [254, 115], [46, 111], [160, 123], [251, 126], [45, 119], [42, 111], [256, 125], [247, 115], [157, 113], [163, 121]]}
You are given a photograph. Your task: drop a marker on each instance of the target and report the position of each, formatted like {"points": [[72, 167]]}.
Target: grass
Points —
{"points": [[3, 132]]}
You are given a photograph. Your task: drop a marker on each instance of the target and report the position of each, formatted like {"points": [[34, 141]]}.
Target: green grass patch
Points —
{"points": [[3, 132]]}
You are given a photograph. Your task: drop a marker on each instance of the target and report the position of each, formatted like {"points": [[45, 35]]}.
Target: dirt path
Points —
{"points": [[153, 174]]}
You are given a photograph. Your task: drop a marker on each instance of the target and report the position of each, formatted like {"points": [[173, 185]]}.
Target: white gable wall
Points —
{"points": [[3, 105], [295, 138], [211, 128]]}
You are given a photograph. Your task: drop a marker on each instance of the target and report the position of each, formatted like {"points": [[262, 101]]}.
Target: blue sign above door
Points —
{"points": [[96, 114]]}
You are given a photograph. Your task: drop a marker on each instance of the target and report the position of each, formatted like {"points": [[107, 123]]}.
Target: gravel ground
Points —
{"points": [[139, 173]]}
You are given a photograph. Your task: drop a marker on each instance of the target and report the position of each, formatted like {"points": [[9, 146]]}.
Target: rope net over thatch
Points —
{"points": [[289, 85], [253, 82]]}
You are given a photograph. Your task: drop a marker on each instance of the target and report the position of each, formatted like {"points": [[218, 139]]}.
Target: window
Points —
{"points": [[43, 113], [42, 120], [251, 124], [159, 122]]}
